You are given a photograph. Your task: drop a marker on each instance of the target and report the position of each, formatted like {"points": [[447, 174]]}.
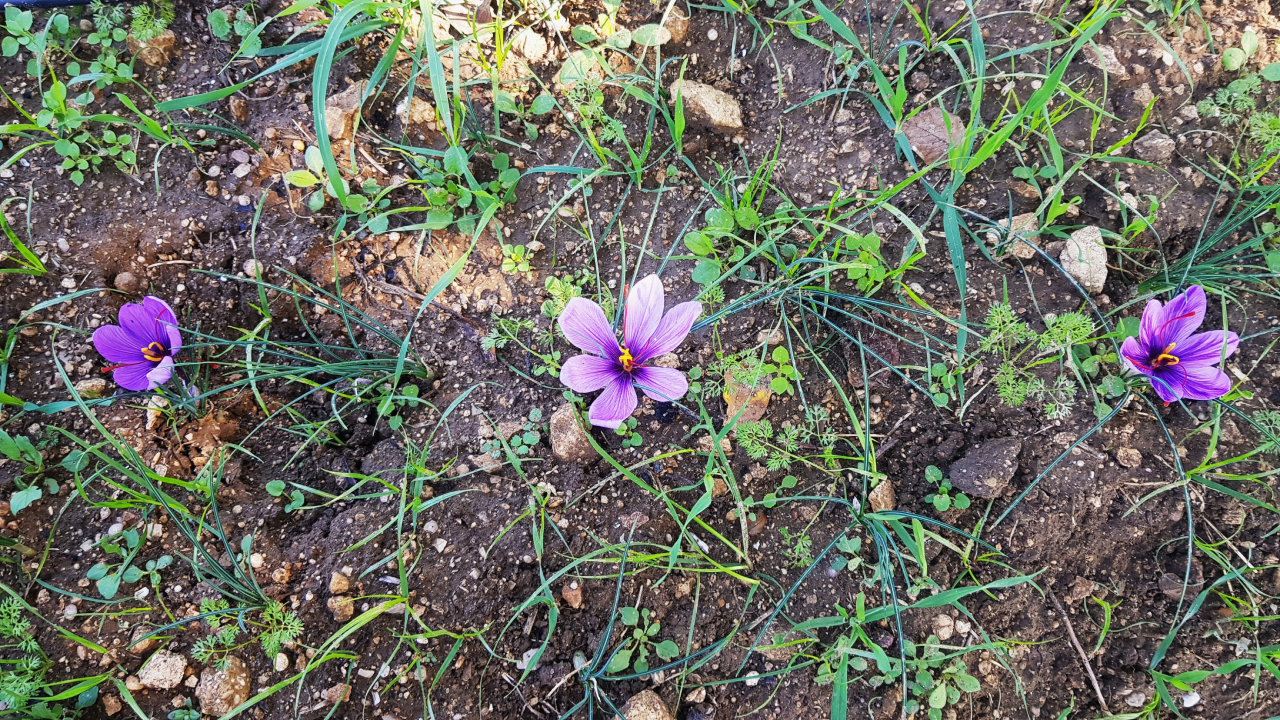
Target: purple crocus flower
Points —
{"points": [[142, 346], [1179, 364], [646, 334]]}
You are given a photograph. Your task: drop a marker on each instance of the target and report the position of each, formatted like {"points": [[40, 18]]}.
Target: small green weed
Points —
{"points": [[634, 651], [942, 499]]}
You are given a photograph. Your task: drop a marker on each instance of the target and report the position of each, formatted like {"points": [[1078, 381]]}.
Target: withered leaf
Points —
{"points": [[928, 135]]}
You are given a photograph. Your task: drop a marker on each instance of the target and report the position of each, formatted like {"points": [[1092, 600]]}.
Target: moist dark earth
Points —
{"points": [[186, 234]]}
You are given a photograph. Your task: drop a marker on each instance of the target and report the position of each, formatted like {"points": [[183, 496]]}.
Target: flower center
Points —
{"points": [[1165, 359], [155, 352], [628, 362]]}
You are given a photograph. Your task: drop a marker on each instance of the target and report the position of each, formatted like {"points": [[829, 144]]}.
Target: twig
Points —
{"points": [[1071, 633]]}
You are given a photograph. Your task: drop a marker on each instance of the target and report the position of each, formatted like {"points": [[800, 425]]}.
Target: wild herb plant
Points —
{"points": [[276, 627], [1230, 105], [810, 443], [1020, 350], [797, 547], [506, 330]]}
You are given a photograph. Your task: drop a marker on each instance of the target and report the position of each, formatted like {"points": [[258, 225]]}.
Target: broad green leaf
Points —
{"points": [[938, 698], [24, 498], [619, 662], [699, 244], [1270, 72], [629, 615], [620, 39], [275, 488], [455, 161], [720, 219], [1249, 42], [1233, 59], [667, 650], [542, 104], [706, 272], [219, 24], [967, 683], [651, 35], [109, 585], [780, 355], [584, 35], [576, 67], [746, 217], [301, 178]]}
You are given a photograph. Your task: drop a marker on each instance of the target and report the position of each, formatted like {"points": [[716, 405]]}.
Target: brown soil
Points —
{"points": [[1073, 532]]}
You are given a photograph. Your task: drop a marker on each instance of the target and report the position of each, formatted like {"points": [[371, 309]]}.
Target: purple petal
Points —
{"points": [[116, 345], [1182, 316], [138, 324], [588, 373], [134, 376], [1206, 383], [583, 322], [671, 331], [1135, 355], [1148, 331], [161, 373], [661, 384], [643, 312], [1169, 382], [615, 404], [1206, 348], [165, 323]]}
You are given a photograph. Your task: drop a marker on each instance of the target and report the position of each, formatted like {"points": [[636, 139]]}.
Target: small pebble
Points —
{"points": [[256, 560], [712, 34], [70, 611], [282, 662]]}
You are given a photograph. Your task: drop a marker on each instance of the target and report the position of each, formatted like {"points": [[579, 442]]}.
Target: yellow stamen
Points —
{"points": [[154, 352], [1165, 359], [625, 358]]}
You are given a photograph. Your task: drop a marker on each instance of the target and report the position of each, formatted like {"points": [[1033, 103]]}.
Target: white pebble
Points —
{"points": [[712, 34]]}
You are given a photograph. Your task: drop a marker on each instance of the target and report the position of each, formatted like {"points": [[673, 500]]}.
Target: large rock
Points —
{"points": [[646, 705], [1019, 228], [569, 441], [708, 107], [155, 52], [221, 691], [1104, 57], [737, 394], [1155, 147], [985, 471], [1085, 259], [164, 671], [340, 111]]}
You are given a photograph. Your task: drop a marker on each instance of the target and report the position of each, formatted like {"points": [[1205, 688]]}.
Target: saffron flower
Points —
{"points": [[615, 368], [142, 346], [1180, 364]]}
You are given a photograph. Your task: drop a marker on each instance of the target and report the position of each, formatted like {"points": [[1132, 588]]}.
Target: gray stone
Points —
{"points": [[340, 111], [530, 45], [164, 671], [708, 107], [569, 441], [1024, 227], [646, 705], [1085, 259], [221, 691], [127, 282], [985, 471], [1155, 147], [1104, 58]]}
